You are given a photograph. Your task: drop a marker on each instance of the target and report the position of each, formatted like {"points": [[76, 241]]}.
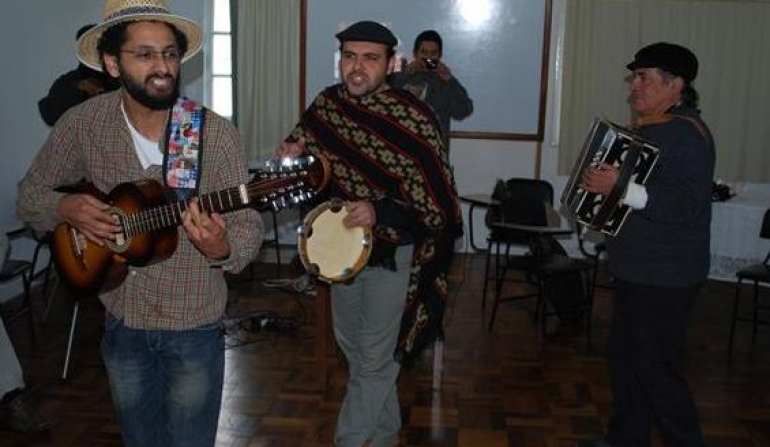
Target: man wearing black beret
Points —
{"points": [[390, 168], [660, 257]]}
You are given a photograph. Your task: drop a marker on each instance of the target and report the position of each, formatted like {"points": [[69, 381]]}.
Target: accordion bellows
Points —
{"points": [[617, 146]]}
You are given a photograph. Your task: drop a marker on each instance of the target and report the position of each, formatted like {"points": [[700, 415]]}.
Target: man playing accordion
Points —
{"points": [[660, 258]]}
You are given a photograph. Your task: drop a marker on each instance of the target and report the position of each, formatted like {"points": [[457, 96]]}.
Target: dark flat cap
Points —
{"points": [[367, 31], [669, 57]]}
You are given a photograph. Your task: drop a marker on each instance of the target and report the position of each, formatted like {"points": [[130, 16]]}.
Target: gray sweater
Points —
{"points": [[668, 242]]}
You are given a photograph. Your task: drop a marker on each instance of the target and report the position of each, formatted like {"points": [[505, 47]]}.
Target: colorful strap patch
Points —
{"points": [[182, 157]]}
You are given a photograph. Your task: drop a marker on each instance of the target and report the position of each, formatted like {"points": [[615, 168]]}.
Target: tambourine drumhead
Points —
{"points": [[330, 250]]}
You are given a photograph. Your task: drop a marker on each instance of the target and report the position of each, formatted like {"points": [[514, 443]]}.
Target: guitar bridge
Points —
{"points": [[78, 242]]}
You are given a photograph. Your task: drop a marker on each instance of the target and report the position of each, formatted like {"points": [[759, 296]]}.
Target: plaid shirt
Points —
{"points": [[93, 141]]}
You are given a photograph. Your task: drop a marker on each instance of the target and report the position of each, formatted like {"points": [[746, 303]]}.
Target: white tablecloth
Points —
{"points": [[735, 225]]}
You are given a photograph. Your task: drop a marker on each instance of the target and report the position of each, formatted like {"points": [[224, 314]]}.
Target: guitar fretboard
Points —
{"points": [[170, 214], [292, 179]]}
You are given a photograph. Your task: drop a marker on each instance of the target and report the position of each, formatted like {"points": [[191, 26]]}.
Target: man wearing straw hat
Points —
{"points": [[163, 343]]}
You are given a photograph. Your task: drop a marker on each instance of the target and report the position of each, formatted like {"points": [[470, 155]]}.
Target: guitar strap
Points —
{"points": [[182, 156]]}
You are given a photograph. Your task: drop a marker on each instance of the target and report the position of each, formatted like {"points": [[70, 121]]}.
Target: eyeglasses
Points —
{"points": [[148, 56]]}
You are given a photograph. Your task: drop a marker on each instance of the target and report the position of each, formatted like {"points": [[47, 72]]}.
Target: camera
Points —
{"points": [[431, 63]]}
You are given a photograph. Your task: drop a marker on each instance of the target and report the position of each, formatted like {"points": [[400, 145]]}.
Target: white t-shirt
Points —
{"points": [[148, 151]]}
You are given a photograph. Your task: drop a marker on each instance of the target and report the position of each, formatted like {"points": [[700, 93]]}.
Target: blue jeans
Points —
{"points": [[166, 385]]}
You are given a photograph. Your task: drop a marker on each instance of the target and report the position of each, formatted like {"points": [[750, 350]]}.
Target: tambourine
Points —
{"points": [[329, 250]]}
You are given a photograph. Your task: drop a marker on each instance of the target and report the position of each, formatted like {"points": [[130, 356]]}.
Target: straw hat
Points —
{"points": [[118, 11]]}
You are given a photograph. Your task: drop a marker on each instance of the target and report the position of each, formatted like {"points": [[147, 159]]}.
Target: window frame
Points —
{"points": [[213, 76]]}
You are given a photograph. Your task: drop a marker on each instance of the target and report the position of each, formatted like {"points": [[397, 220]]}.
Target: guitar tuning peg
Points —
{"points": [[288, 162]]}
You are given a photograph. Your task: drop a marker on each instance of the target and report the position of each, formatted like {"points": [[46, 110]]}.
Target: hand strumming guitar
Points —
{"points": [[89, 215]]}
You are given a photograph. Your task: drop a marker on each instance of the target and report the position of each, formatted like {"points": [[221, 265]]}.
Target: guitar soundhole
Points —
{"points": [[122, 241]]}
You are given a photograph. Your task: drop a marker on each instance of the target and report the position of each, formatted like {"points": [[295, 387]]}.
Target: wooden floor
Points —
{"points": [[484, 389]]}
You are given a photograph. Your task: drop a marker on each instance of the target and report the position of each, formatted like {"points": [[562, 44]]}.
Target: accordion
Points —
{"points": [[617, 146]]}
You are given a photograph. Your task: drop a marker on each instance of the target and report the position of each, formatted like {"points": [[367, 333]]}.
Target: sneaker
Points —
{"points": [[17, 415]]}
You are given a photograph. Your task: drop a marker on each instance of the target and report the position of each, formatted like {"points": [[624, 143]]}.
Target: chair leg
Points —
{"points": [[734, 321], [49, 298], [541, 312], [498, 269], [276, 241], [26, 280], [755, 315], [589, 330], [589, 312], [498, 292], [486, 275], [74, 322], [47, 276]]}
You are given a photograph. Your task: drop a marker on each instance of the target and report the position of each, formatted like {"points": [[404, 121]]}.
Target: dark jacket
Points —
{"points": [[67, 92], [668, 242]]}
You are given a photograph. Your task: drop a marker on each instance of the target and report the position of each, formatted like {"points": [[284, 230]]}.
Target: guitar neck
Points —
{"points": [[170, 214], [293, 181]]}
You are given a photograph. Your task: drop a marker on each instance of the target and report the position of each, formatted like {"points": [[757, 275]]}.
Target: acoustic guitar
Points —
{"points": [[148, 220]]}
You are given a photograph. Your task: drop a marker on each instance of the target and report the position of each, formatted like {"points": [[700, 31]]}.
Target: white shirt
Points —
{"points": [[148, 151]]}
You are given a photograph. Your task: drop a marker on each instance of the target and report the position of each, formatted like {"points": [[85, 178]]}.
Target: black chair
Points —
{"points": [[521, 201], [50, 276], [566, 287], [757, 273], [48, 272], [562, 285], [14, 270], [51, 281]]}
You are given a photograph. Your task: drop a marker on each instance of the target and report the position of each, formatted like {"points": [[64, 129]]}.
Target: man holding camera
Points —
{"points": [[428, 78]]}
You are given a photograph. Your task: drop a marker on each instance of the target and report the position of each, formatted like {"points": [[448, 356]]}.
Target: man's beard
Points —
{"points": [[143, 97]]}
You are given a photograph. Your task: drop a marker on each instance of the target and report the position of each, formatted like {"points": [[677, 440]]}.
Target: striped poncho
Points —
{"points": [[386, 148]]}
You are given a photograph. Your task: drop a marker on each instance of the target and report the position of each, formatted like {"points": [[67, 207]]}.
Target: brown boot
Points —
{"points": [[16, 414]]}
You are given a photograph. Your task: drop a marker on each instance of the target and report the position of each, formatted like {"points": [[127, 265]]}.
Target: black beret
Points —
{"points": [[367, 31], [669, 57]]}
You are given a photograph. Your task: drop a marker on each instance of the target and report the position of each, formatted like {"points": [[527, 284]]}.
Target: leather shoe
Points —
{"points": [[17, 415]]}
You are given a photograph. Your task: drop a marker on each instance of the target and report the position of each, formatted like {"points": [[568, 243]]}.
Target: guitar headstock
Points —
{"points": [[282, 183]]}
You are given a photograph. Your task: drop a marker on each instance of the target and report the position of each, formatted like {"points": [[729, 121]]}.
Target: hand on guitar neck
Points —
{"points": [[207, 231]]}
